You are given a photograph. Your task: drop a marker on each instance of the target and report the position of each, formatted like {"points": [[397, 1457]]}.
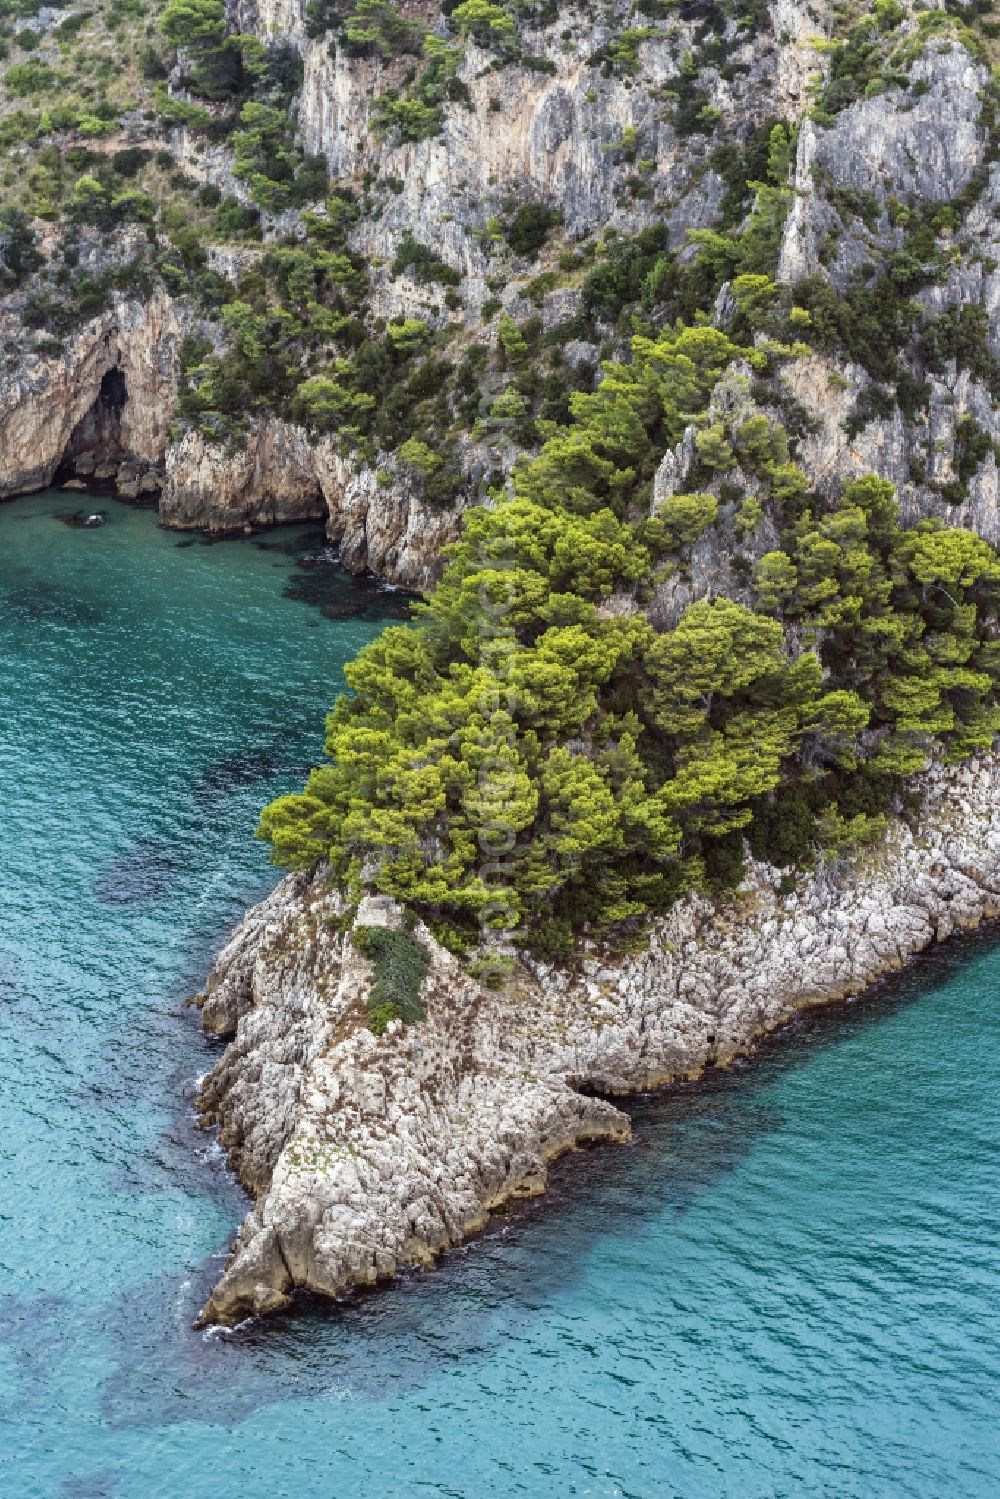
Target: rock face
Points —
{"points": [[918, 457], [364, 1154], [549, 132], [268, 478], [922, 144], [375, 517], [109, 395], [599, 144]]}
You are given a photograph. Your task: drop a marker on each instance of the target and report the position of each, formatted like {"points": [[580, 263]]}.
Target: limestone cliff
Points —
{"points": [[105, 400], [376, 519], [612, 126], [364, 1154], [924, 143]]}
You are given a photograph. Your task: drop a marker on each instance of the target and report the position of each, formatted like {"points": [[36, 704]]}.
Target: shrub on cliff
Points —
{"points": [[529, 227], [488, 23], [19, 255], [400, 962], [422, 264]]}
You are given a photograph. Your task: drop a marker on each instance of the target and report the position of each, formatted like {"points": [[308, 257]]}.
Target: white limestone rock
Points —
{"points": [[365, 1154]]}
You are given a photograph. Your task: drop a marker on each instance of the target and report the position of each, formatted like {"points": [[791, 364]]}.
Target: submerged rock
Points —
{"points": [[83, 519], [365, 1154]]}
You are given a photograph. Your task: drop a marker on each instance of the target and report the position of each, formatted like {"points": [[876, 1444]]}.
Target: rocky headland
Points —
{"points": [[364, 1154], [365, 266]]}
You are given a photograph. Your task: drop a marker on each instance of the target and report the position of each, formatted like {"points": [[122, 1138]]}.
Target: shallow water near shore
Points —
{"points": [[789, 1284]]}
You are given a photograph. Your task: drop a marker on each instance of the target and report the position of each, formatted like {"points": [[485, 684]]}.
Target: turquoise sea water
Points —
{"points": [[788, 1285]]}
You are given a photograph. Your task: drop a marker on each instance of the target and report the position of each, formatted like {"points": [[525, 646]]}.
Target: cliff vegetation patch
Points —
{"points": [[400, 962]]}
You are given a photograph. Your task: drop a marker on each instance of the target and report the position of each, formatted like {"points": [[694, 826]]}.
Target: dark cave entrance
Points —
{"points": [[95, 457], [113, 393], [97, 436]]}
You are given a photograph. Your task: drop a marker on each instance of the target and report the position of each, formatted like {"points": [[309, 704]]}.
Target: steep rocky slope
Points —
{"points": [[605, 126], [852, 177]]}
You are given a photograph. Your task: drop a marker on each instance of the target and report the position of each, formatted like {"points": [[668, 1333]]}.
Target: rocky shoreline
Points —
{"points": [[364, 1154], [98, 417]]}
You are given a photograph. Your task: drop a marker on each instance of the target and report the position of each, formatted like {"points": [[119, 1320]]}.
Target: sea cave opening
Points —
{"points": [[97, 456]]}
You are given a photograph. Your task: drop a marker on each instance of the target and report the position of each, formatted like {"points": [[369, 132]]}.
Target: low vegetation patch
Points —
{"points": [[401, 964]]}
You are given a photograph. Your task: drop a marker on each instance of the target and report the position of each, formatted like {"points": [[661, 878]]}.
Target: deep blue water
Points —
{"points": [[787, 1286]]}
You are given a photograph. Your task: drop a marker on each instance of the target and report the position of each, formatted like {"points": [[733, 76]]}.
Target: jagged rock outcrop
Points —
{"points": [[857, 183], [918, 456], [364, 1154], [919, 144], [377, 518]]}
